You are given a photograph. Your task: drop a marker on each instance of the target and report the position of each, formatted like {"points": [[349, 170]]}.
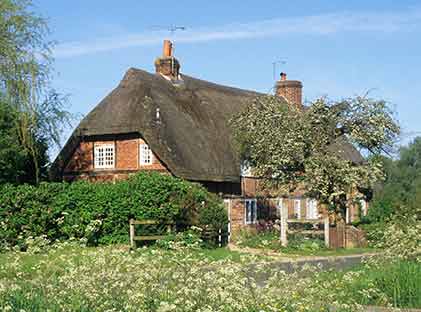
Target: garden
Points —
{"points": [[65, 248]]}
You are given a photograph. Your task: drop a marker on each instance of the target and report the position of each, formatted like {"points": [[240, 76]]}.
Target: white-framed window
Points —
{"points": [[312, 211], [250, 207], [297, 208], [145, 154], [245, 169], [104, 155]]}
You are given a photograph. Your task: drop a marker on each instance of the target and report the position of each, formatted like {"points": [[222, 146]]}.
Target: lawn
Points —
{"points": [[70, 278]]}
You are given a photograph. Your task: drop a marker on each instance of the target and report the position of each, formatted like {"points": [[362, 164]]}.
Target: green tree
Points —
{"points": [[290, 148], [25, 73], [16, 165], [401, 189]]}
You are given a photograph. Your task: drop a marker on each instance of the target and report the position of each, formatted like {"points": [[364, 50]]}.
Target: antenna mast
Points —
{"points": [[173, 29], [281, 61]]}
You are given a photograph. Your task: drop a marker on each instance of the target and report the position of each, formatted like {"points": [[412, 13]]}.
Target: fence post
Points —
{"points": [[326, 228], [284, 225], [132, 242], [229, 232]]}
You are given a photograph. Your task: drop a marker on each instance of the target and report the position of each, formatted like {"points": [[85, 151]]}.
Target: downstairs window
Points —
{"points": [[250, 211]]}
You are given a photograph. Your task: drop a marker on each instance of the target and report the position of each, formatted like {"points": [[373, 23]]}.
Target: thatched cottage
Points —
{"points": [[173, 123]]}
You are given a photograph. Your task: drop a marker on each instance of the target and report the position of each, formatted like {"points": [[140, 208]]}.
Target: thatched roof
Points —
{"points": [[192, 135]]}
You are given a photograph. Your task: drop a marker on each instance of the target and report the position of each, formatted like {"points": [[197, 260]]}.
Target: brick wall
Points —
{"points": [[249, 186], [127, 154], [82, 159], [81, 164], [237, 214]]}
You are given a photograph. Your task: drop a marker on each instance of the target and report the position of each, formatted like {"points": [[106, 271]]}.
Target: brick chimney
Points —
{"points": [[167, 65], [291, 90]]}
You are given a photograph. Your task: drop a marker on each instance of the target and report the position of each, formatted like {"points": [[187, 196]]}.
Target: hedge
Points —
{"points": [[99, 212]]}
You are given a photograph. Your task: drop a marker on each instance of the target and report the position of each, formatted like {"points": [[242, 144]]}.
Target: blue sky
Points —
{"points": [[336, 48]]}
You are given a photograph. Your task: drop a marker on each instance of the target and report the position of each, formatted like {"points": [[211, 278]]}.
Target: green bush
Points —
{"points": [[99, 212], [270, 240], [263, 240], [190, 238], [302, 243]]}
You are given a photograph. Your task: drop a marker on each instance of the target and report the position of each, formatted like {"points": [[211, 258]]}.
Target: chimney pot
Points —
{"points": [[167, 50], [283, 76]]}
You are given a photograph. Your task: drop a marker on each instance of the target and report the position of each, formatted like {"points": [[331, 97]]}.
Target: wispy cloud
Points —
{"points": [[324, 24]]}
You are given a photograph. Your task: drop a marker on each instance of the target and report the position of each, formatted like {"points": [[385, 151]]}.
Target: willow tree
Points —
{"points": [[25, 73], [310, 148]]}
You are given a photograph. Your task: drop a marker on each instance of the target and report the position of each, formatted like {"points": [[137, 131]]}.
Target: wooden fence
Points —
{"points": [[285, 224], [346, 236], [146, 237], [338, 236], [219, 237]]}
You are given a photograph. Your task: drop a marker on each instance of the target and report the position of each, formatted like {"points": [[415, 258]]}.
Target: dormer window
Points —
{"points": [[145, 153], [104, 156]]}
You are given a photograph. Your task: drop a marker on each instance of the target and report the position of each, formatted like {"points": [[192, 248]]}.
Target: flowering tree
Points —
{"points": [[316, 147]]}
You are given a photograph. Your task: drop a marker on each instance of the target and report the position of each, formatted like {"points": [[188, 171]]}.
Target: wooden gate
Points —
{"points": [[284, 227], [148, 237]]}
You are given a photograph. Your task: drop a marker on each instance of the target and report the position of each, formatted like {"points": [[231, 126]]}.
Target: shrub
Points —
{"points": [[402, 240], [99, 212], [305, 243], [270, 240], [190, 239], [253, 239], [28, 211], [374, 232]]}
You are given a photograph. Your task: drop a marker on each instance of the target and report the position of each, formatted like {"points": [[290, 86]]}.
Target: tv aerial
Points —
{"points": [[281, 61], [172, 29]]}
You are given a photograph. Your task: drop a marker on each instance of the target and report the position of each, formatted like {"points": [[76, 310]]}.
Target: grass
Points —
{"points": [[397, 283], [32, 281], [209, 254], [328, 252], [219, 254], [298, 246]]}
